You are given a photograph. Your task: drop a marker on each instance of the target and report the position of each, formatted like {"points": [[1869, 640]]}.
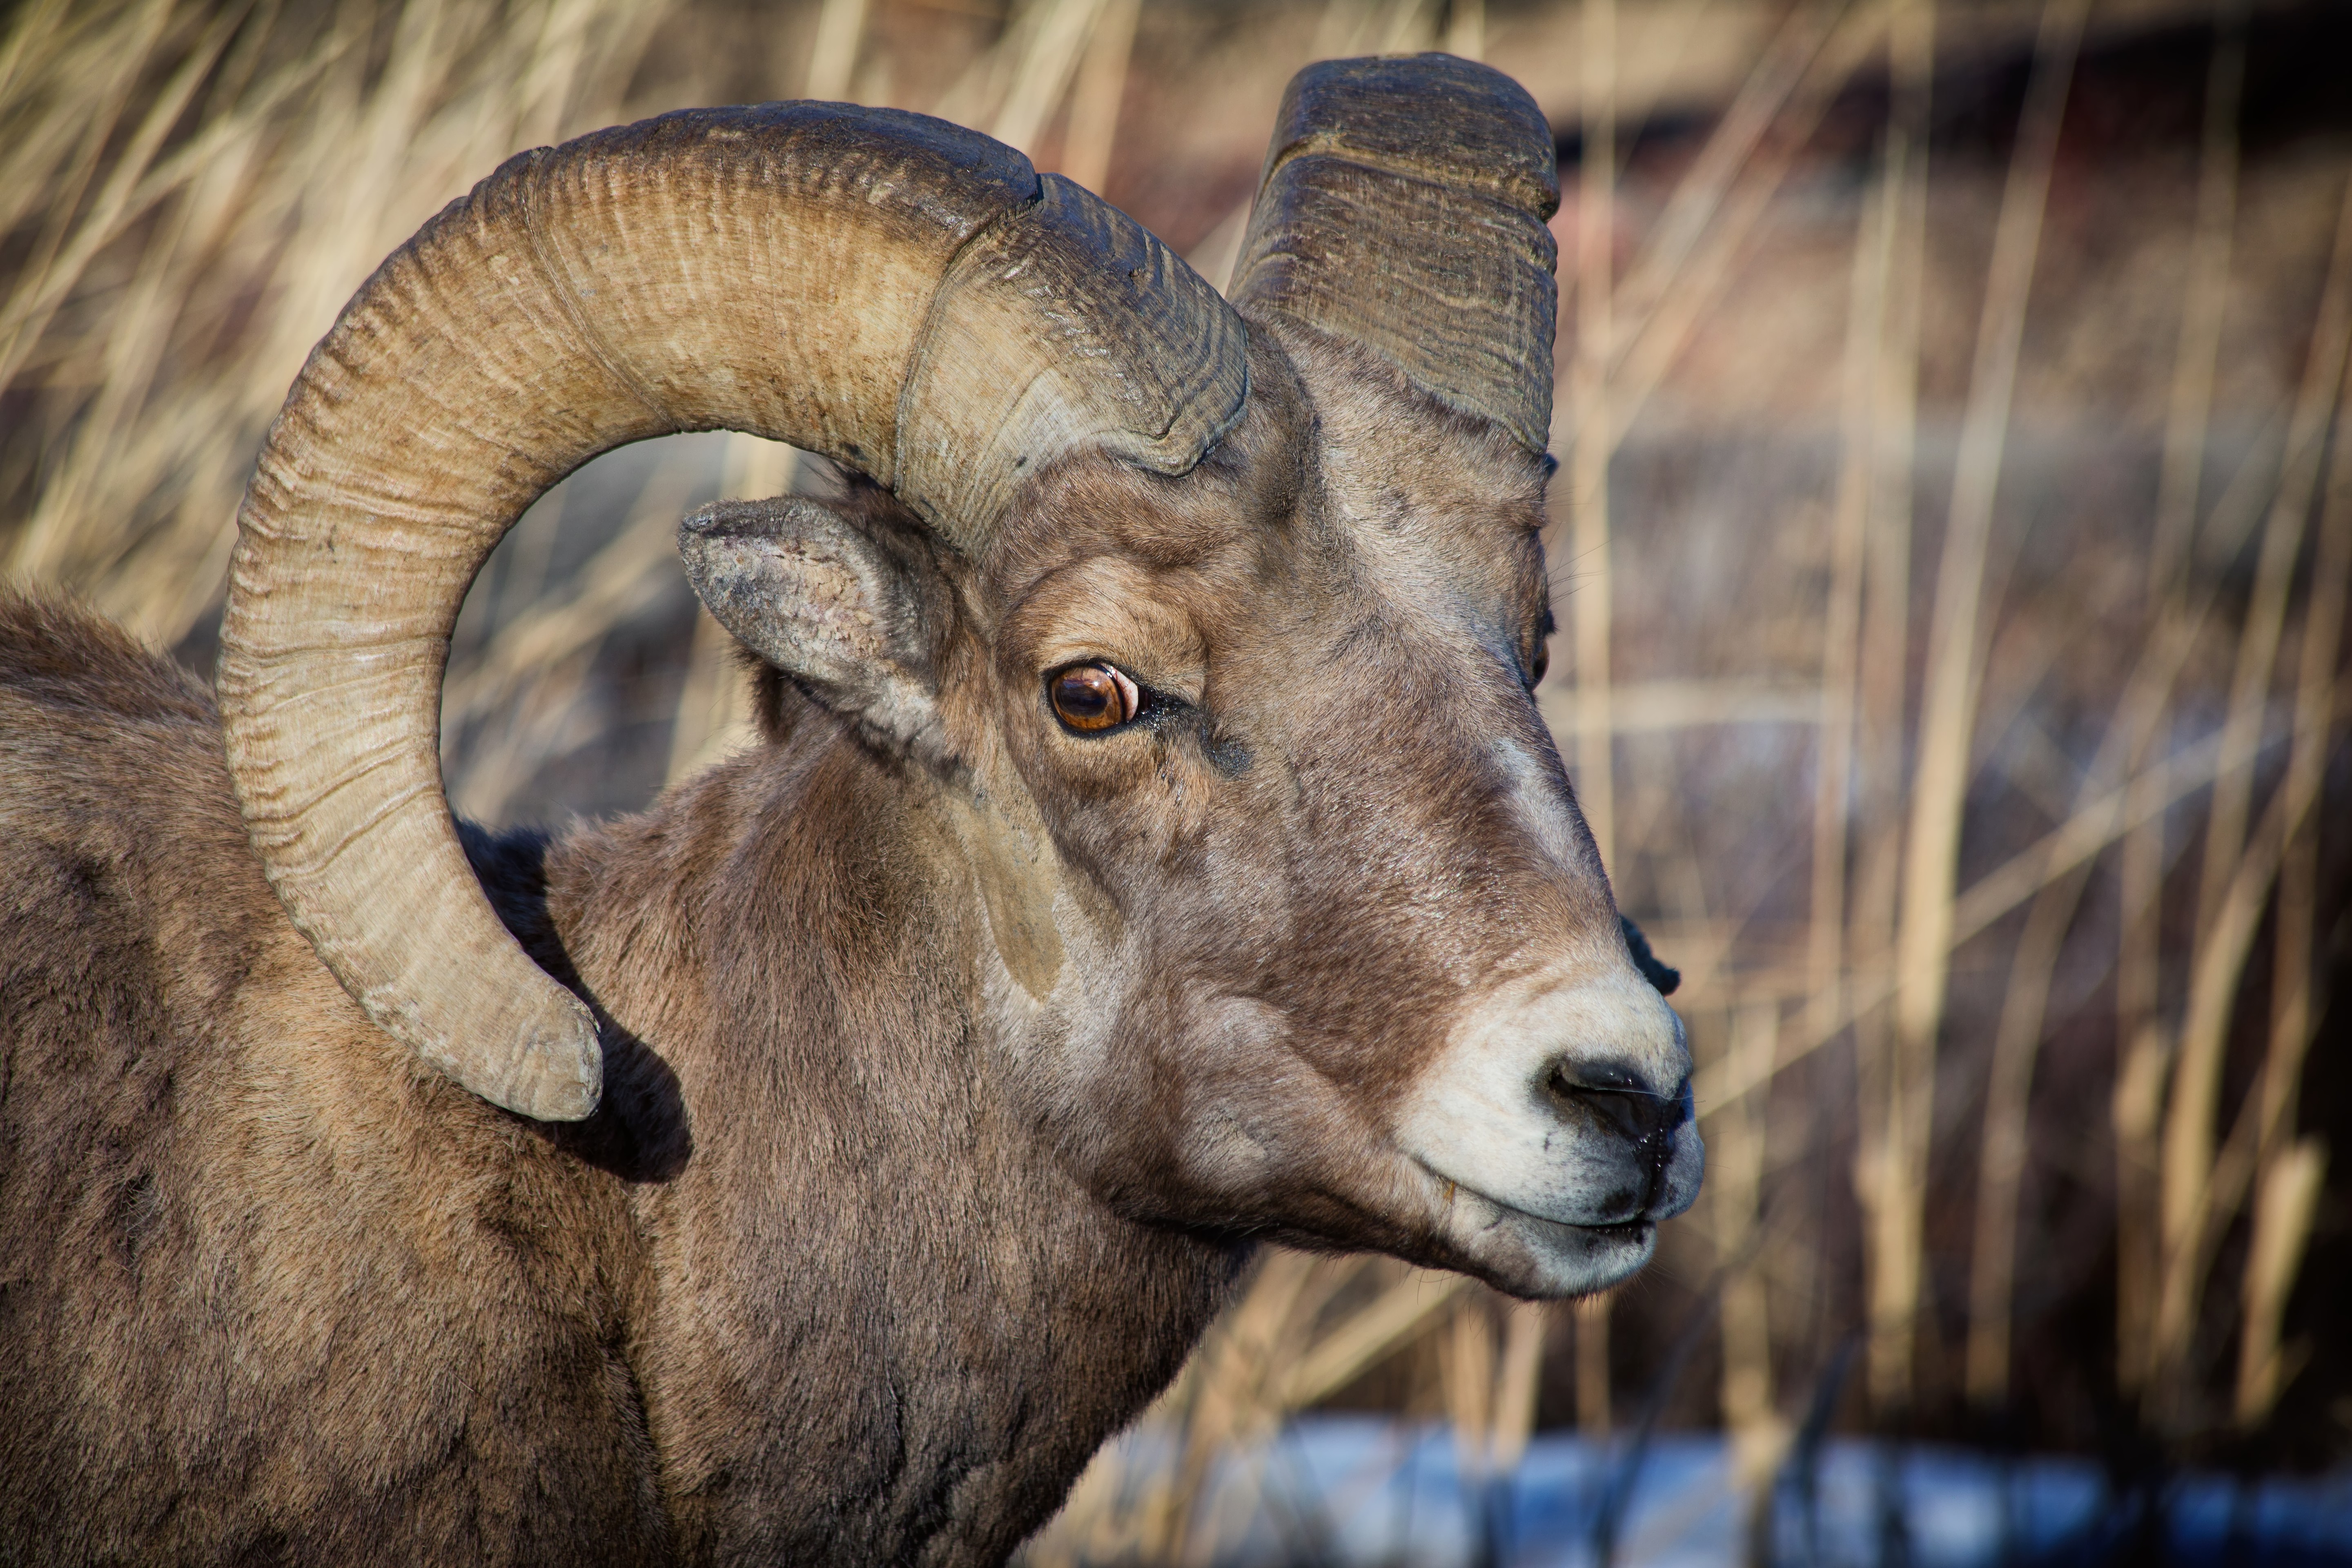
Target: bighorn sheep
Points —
{"points": [[1154, 846]]}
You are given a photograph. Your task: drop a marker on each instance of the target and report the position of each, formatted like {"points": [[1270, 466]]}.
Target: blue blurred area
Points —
{"points": [[1344, 1490]]}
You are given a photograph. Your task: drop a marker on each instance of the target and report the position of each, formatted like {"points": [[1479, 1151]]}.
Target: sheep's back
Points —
{"points": [[267, 1289]]}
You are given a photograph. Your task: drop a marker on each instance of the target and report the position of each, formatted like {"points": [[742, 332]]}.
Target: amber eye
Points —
{"points": [[1092, 697], [1542, 664]]}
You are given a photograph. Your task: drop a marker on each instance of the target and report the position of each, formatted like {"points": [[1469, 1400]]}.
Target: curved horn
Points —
{"points": [[902, 295], [1403, 206]]}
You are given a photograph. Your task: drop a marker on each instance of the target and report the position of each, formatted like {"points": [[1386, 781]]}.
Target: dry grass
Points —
{"points": [[1953, 546]]}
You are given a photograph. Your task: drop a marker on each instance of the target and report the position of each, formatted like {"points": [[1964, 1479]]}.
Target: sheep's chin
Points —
{"points": [[1528, 1256]]}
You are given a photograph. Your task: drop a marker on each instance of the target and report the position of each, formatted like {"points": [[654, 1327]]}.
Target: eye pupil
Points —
{"points": [[1091, 696]]}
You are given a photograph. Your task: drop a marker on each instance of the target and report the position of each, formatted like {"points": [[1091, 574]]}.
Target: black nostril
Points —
{"points": [[1618, 1100]]}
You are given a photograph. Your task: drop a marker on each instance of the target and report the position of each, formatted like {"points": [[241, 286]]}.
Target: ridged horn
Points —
{"points": [[886, 288], [1404, 207]]}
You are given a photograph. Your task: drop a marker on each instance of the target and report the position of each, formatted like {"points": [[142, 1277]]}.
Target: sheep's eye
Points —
{"points": [[1092, 697]]}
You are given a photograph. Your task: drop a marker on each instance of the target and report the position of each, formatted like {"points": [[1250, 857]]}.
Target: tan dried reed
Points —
{"points": [[190, 189], [1955, 653]]}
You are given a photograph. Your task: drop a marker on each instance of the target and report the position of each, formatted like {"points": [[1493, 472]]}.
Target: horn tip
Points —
{"points": [[569, 1100], [556, 1072], [1434, 116]]}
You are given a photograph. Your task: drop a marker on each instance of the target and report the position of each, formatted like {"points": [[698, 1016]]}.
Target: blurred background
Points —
{"points": [[1951, 546]]}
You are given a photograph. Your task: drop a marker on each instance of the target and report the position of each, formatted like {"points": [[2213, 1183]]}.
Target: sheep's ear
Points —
{"points": [[841, 609]]}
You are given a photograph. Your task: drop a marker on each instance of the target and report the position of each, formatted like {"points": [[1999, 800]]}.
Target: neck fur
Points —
{"points": [[876, 1318]]}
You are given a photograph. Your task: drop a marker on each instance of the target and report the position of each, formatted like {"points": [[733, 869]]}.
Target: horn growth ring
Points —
{"points": [[886, 288], [1404, 207]]}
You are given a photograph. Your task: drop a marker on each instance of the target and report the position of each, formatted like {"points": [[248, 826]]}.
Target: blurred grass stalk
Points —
{"points": [[2142, 1044], [1957, 645], [1737, 1149], [181, 275], [1595, 749], [189, 190], [2288, 1169], [2197, 1197]]}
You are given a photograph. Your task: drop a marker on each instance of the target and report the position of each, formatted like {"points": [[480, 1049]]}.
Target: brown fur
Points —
{"points": [[946, 1083], [272, 1292]]}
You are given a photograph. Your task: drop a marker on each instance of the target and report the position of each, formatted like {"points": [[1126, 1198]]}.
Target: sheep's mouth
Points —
{"points": [[1634, 1227], [1635, 1231], [1531, 1254]]}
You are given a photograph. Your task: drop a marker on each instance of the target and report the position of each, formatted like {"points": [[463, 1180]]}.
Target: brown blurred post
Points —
{"points": [[832, 56], [1854, 515], [1056, 33], [1100, 90], [1592, 1363], [1735, 1153], [1465, 29], [1886, 627], [1519, 1382], [1841, 624], [1465, 1370]]}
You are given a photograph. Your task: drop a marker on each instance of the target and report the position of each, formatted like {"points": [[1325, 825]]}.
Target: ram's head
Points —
{"points": [[1210, 630]]}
